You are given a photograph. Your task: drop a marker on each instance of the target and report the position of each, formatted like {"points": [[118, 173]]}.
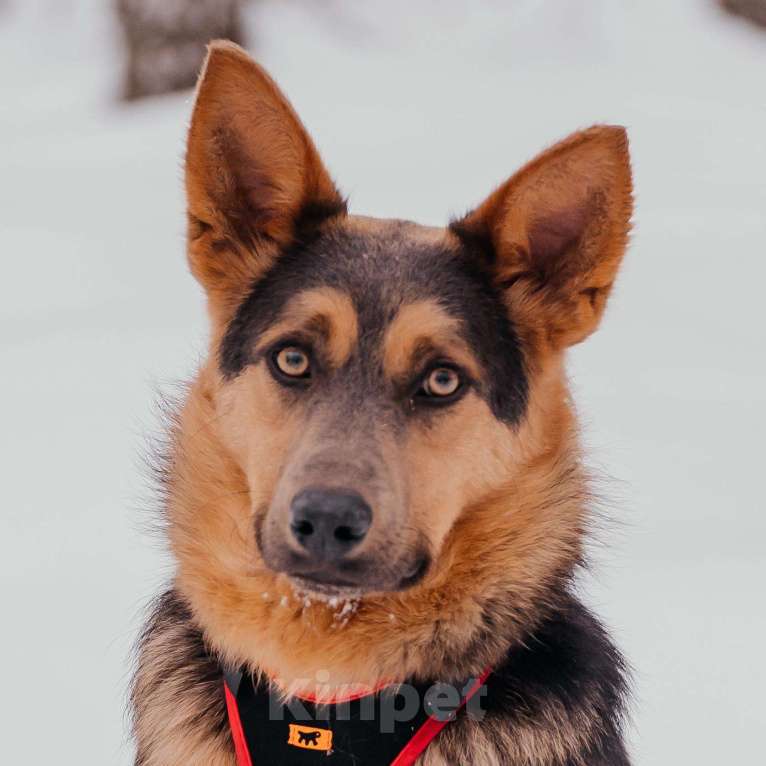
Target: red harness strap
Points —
{"points": [[407, 756], [428, 731], [237, 733]]}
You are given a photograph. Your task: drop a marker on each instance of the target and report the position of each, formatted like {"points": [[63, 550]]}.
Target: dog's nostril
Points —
{"points": [[328, 523], [346, 534], [302, 528]]}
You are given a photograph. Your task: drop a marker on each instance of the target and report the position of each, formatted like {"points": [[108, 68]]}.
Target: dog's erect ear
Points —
{"points": [[557, 231], [253, 174]]}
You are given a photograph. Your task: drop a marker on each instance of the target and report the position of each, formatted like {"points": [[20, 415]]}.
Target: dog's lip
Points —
{"points": [[316, 582], [422, 565], [327, 587], [325, 577]]}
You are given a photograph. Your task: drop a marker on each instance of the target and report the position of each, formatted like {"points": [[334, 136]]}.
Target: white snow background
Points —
{"points": [[419, 109]]}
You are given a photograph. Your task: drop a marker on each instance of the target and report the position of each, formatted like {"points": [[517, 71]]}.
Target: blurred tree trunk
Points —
{"points": [[165, 40], [755, 10]]}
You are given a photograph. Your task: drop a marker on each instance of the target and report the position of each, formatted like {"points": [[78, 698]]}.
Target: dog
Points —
{"points": [[375, 476]]}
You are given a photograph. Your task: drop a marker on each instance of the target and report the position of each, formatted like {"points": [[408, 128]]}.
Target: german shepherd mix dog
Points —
{"points": [[375, 480]]}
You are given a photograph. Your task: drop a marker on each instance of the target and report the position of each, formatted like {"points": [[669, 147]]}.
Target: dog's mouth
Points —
{"points": [[325, 585], [325, 589]]}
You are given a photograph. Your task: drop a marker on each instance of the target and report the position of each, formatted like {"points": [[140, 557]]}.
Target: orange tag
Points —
{"points": [[310, 738]]}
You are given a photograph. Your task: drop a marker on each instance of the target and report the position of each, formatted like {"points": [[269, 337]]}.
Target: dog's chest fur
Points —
{"points": [[555, 700]]}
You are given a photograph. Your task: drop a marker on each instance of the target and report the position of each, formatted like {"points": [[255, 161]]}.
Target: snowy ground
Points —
{"points": [[419, 111]]}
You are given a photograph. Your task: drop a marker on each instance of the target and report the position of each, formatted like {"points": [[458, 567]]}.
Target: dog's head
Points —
{"points": [[374, 381]]}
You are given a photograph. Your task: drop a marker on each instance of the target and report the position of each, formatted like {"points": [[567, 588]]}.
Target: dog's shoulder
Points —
{"points": [[559, 697], [568, 657], [179, 712]]}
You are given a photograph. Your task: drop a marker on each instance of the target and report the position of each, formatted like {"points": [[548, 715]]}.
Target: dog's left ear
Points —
{"points": [[557, 231], [253, 176]]}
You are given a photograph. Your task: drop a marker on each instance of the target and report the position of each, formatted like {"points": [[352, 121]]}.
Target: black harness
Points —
{"points": [[389, 727]]}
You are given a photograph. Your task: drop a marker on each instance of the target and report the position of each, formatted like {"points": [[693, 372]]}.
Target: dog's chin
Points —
{"points": [[332, 588]]}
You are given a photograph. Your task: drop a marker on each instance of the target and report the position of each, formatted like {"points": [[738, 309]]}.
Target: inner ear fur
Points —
{"points": [[556, 232], [253, 174]]}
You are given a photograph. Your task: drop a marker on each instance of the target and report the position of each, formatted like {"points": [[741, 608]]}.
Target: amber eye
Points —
{"points": [[443, 381], [292, 362]]}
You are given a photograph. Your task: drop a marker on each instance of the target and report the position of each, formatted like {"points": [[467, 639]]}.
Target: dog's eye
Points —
{"points": [[292, 362], [442, 382]]}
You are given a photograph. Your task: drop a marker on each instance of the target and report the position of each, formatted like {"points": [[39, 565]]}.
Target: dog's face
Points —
{"points": [[373, 376], [373, 380]]}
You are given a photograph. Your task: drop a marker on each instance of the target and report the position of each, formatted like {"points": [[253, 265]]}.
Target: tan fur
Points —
{"points": [[324, 311], [423, 322]]}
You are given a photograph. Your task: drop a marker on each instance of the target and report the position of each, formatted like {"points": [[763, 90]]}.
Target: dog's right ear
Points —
{"points": [[253, 175]]}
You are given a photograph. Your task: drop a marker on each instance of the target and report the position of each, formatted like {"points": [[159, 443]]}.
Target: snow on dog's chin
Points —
{"points": [[341, 601]]}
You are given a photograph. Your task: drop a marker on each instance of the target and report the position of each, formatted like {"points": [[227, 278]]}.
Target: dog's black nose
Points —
{"points": [[328, 523]]}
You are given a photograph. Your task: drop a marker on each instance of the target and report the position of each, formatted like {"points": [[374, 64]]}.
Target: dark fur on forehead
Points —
{"points": [[381, 270]]}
